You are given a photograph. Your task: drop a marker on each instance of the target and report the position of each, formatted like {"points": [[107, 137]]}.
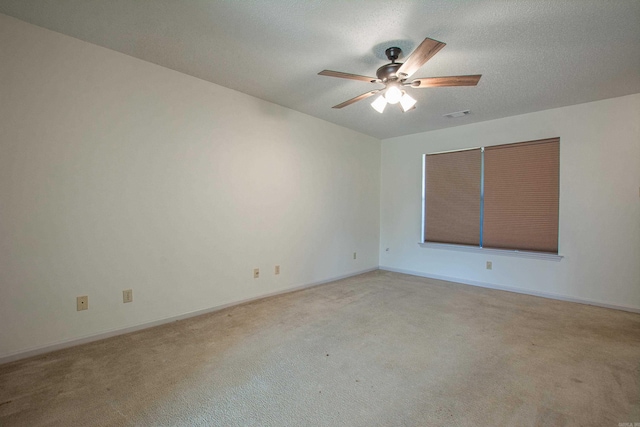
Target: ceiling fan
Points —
{"points": [[395, 74]]}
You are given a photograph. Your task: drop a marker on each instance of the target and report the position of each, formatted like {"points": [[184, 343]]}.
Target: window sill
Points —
{"points": [[505, 252]]}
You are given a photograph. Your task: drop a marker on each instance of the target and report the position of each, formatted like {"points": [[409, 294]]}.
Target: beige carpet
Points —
{"points": [[379, 349]]}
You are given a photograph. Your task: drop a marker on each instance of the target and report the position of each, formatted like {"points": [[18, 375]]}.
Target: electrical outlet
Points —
{"points": [[276, 270], [256, 273], [82, 303], [355, 255], [127, 295], [489, 265]]}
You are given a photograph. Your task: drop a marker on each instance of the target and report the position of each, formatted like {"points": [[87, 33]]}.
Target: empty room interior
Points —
{"points": [[285, 213]]}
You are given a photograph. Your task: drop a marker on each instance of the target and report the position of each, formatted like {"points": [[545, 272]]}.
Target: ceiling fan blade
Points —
{"points": [[446, 81], [419, 57], [347, 76], [357, 98]]}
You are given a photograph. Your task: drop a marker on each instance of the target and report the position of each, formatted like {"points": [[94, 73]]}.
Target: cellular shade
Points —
{"points": [[521, 196], [452, 200]]}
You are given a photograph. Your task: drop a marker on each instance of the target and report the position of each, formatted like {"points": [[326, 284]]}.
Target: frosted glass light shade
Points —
{"points": [[407, 102], [393, 95], [379, 104]]}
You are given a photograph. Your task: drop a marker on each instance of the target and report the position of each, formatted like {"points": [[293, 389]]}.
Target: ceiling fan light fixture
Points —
{"points": [[393, 95], [395, 74], [407, 102], [379, 104]]}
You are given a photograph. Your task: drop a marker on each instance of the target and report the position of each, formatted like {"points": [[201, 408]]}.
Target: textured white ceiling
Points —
{"points": [[533, 54]]}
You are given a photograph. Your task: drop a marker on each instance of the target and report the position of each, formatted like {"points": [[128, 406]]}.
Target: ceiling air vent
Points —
{"points": [[457, 114]]}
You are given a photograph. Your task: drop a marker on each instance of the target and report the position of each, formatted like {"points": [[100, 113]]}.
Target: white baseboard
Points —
{"points": [[23, 354], [516, 290]]}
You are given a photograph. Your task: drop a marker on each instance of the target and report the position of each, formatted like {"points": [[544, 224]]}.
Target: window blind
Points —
{"points": [[452, 199], [521, 196]]}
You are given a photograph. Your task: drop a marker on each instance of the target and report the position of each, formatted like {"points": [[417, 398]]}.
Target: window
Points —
{"points": [[500, 197]]}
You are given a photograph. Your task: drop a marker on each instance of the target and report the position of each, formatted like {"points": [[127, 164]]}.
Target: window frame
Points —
{"points": [[472, 248]]}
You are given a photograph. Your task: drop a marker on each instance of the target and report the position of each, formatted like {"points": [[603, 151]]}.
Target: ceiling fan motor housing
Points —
{"points": [[388, 71]]}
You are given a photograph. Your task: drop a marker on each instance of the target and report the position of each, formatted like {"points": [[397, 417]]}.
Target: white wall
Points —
{"points": [[599, 204], [116, 173]]}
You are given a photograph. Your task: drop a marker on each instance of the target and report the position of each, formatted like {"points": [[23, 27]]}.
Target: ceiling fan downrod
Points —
{"points": [[393, 53]]}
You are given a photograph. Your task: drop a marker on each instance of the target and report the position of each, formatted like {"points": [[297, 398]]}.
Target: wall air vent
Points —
{"points": [[457, 114]]}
